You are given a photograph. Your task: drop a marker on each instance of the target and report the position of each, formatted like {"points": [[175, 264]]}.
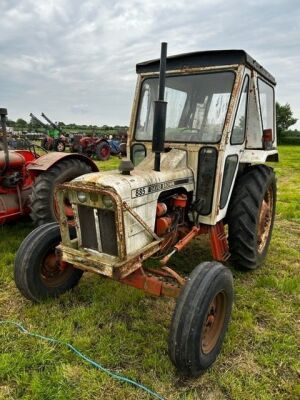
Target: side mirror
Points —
{"points": [[137, 153]]}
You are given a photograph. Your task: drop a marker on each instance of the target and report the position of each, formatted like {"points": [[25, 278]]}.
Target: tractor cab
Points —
{"points": [[220, 112]]}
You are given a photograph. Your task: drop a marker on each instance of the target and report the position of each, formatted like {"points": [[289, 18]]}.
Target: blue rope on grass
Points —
{"points": [[84, 357]]}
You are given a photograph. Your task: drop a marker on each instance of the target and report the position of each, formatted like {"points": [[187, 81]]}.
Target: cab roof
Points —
{"points": [[206, 59]]}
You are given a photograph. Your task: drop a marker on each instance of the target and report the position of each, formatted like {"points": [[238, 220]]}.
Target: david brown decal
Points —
{"points": [[157, 187]]}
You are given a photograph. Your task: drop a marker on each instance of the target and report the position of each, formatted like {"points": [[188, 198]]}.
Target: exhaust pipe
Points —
{"points": [[160, 111], [3, 114]]}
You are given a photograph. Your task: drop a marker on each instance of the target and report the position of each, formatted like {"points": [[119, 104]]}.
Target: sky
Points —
{"points": [[75, 60]]}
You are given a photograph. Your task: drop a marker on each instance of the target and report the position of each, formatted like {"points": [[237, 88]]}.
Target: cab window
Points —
{"points": [[266, 102], [239, 127]]}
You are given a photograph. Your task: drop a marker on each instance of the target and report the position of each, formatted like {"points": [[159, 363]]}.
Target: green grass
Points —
{"points": [[127, 331]]}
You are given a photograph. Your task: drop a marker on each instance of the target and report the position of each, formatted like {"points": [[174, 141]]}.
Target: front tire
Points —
{"points": [[43, 205], [251, 217], [201, 318], [38, 274]]}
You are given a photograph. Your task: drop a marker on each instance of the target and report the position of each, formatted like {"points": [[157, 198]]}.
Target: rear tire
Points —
{"points": [[102, 151], [201, 318], [42, 200], [37, 273], [251, 216]]}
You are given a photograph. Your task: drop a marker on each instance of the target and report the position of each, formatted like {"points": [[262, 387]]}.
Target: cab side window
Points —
{"points": [[239, 127], [266, 101]]}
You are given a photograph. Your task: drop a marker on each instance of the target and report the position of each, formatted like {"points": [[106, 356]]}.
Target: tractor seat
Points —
{"points": [[16, 160]]}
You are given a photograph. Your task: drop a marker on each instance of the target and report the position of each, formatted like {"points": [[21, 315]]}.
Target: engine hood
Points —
{"points": [[144, 184]]}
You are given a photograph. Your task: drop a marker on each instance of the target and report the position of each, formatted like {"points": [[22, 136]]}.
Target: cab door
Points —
{"points": [[235, 148]]}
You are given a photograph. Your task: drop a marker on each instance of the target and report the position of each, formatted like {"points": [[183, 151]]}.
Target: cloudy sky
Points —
{"points": [[75, 60]]}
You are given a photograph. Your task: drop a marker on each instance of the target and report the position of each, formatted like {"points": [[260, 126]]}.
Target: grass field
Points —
{"points": [[127, 331]]}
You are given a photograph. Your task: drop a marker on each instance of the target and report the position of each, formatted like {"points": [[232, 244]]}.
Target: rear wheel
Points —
{"points": [[251, 217], [43, 204], [201, 318], [38, 272], [102, 151]]}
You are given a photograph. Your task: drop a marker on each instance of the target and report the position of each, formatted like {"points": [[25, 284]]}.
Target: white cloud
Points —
{"points": [[66, 56]]}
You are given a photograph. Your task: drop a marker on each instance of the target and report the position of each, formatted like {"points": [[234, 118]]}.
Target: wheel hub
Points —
{"points": [[52, 272], [104, 152], [213, 324]]}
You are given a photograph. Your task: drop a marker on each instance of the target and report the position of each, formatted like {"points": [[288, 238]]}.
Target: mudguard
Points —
{"points": [[46, 161]]}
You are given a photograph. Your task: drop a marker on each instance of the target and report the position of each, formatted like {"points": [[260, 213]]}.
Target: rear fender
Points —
{"points": [[46, 161]]}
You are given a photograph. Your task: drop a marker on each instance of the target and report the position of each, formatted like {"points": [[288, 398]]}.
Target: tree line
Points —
{"points": [[22, 125], [284, 120]]}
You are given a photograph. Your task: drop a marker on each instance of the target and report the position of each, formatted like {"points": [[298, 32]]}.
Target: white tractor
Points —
{"points": [[202, 127]]}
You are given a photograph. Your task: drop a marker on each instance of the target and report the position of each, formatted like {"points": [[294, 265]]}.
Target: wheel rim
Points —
{"points": [[52, 273], [265, 219], [214, 322], [104, 151], [60, 147]]}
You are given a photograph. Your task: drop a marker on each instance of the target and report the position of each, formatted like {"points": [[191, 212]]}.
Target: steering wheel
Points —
{"points": [[190, 129], [194, 137]]}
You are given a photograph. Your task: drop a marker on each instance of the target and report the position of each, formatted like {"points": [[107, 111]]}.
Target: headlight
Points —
{"points": [[107, 201], [82, 197]]}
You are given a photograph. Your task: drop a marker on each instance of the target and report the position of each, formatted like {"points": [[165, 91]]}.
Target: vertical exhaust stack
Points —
{"points": [[55, 126], [160, 111], [3, 114]]}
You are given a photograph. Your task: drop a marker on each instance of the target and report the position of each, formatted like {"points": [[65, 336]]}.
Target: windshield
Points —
{"points": [[196, 111]]}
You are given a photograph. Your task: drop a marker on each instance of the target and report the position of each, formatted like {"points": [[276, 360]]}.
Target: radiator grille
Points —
{"points": [[87, 227], [108, 232], [98, 229]]}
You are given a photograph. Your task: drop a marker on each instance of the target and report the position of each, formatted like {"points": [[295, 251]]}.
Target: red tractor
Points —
{"points": [[91, 146], [27, 180]]}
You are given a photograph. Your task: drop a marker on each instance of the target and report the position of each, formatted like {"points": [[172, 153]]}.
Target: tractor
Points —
{"points": [[91, 146], [56, 139], [27, 180], [201, 131], [100, 147], [53, 140]]}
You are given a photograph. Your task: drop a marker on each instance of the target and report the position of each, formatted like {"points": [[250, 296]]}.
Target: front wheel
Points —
{"points": [[38, 273], [201, 318]]}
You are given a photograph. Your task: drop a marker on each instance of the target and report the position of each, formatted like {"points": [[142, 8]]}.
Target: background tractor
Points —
{"points": [[94, 146], [54, 139], [99, 147], [202, 127], [27, 180]]}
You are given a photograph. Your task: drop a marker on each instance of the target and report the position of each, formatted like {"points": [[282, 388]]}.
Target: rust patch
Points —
{"points": [[151, 284]]}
